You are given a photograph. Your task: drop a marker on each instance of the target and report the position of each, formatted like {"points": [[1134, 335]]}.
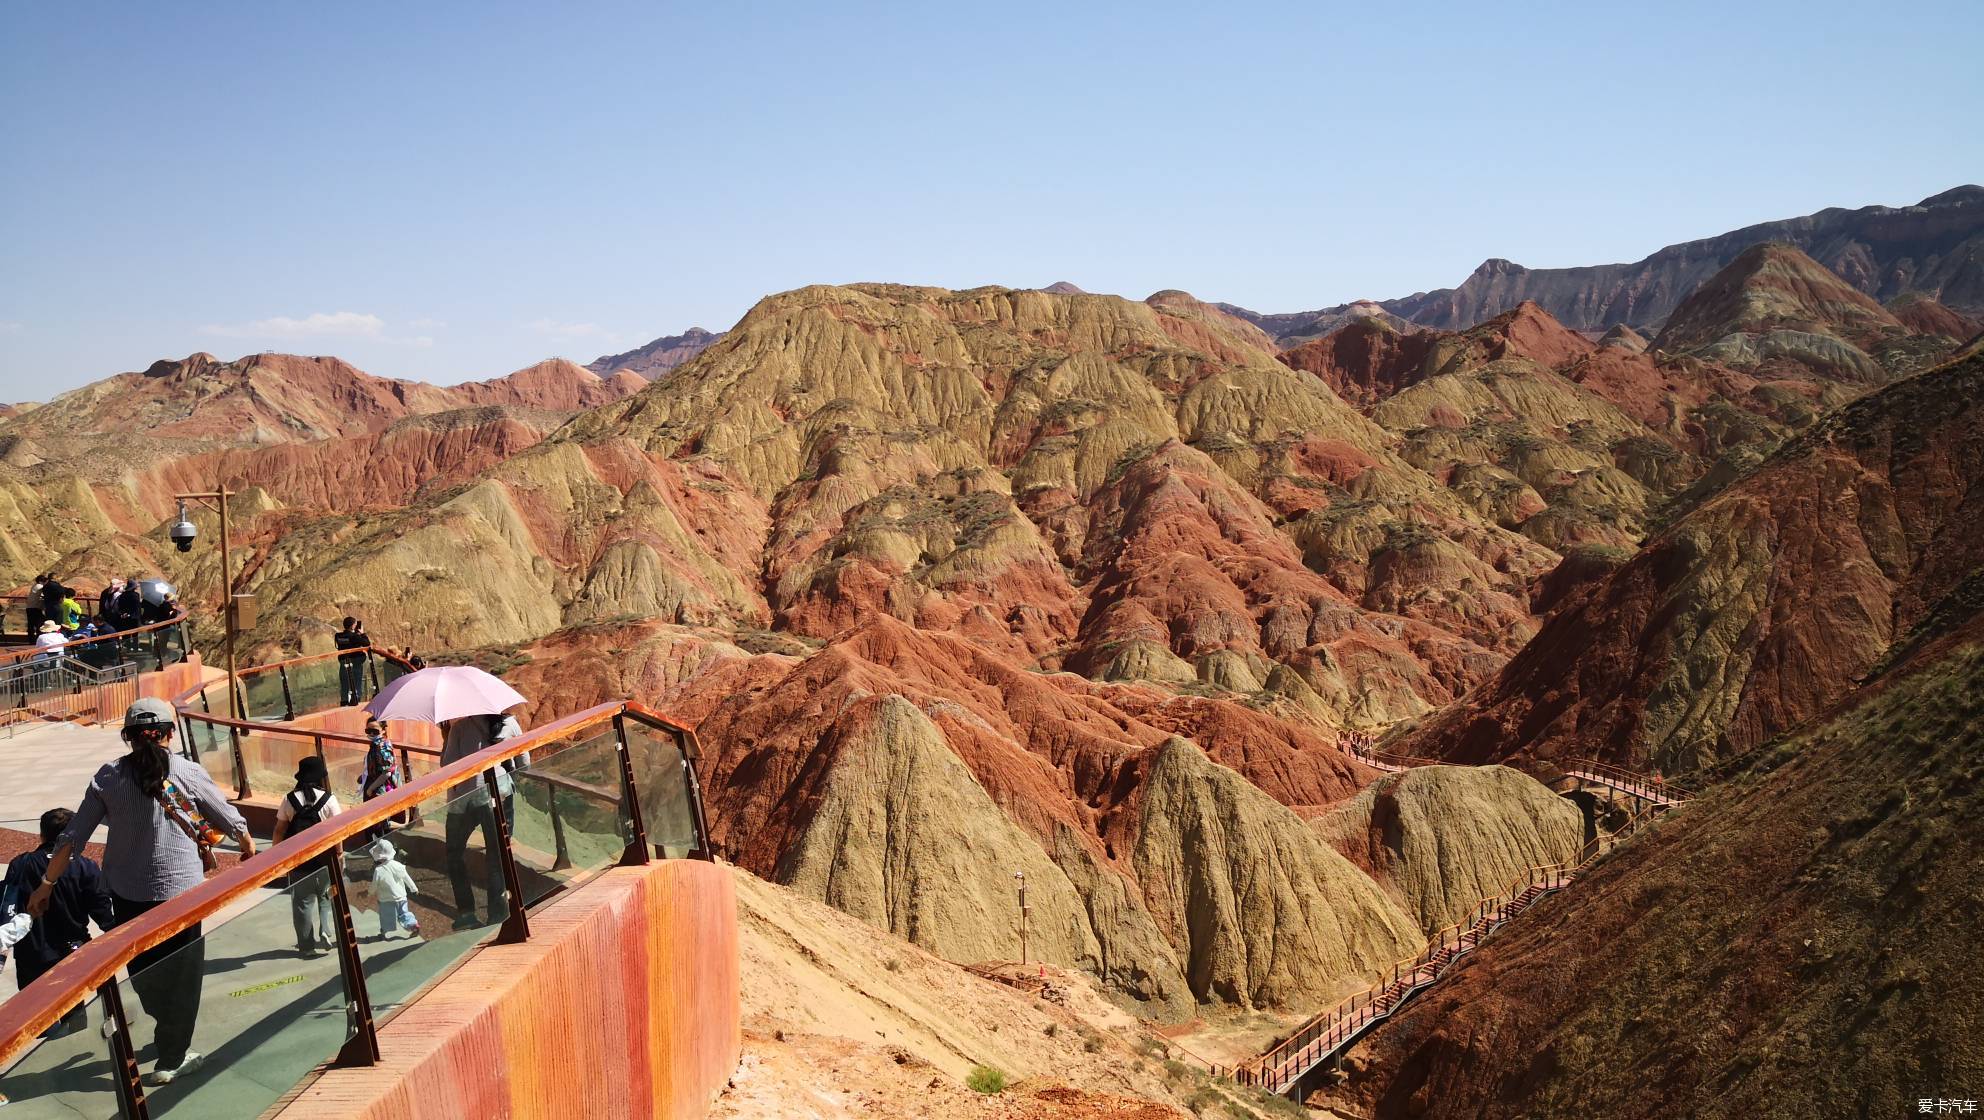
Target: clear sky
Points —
{"points": [[449, 191]]}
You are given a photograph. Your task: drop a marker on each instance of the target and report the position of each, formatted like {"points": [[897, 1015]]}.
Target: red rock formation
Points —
{"points": [[1926, 316], [1366, 361]]}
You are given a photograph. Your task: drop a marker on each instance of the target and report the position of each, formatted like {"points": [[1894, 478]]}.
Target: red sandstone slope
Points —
{"points": [[1761, 607], [555, 385], [1923, 315], [1366, 360]]}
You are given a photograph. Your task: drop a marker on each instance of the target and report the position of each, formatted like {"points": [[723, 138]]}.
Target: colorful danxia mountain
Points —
{"points": [[1270, 649]]}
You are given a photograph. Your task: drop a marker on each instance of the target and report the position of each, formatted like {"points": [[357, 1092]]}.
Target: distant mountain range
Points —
{"points": [[657, 357], [1934, 248]]}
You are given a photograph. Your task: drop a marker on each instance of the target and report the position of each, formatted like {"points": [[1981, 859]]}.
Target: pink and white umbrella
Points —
{"points": [[444, 692]]}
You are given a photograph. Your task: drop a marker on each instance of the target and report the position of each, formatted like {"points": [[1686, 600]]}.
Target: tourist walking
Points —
{"points": [[391, 887], [470, 810], [351, 666], [380, 775], [310, 883], [79, 898], [160, 845]]}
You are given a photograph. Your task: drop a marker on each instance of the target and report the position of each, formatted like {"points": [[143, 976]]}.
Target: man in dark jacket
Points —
{"points": [[351, 666], [130, 612], [79, 898]]}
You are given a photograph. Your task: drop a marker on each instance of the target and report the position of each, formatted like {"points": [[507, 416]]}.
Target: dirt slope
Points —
{"points": [[1801, 935]]}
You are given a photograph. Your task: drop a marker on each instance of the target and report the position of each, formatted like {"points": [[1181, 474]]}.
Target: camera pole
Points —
{"points": [[218, 501]]}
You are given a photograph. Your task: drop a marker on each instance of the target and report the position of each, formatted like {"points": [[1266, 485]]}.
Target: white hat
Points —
{"points": [[381, 850], [50, 627]]}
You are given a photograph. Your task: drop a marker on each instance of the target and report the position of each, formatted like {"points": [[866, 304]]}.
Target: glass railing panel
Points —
{"points": [[344, 762], [261, 696], [66, 1074], [387, 669], [565, 812], [445, 847], [208, 744], [262, 1012], [314, 685], [270, 756], [662, 780]]}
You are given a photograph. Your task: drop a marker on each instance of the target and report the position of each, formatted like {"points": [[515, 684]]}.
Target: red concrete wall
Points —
{"points": [[623, 1003]]}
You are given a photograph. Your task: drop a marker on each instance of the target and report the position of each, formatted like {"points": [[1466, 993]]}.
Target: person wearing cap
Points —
{"points": [[304, 808], [158, 807]]}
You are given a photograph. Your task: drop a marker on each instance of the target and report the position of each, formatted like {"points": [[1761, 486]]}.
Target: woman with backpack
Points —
{"points": [[310, 884]]}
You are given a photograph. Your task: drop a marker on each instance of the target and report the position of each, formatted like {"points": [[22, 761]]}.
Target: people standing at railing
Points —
{"points": [[78, 898], [70, 613], [304, 807], [106, 600], [51, 598], [351, 666], [35, 604], [129, 609], [160, 845]]}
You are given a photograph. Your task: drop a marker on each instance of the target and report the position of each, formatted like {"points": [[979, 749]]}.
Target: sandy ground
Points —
{"points": [[843, 1020]]}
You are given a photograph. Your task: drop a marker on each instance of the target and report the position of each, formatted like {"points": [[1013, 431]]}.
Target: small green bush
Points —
{"points": [[985, 1079]]}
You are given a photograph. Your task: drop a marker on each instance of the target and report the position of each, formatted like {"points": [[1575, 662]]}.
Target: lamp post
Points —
{"points": [[1021, 876], [182, 533]]}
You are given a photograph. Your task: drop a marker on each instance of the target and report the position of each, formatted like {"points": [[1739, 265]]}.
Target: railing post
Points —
{"points": [[516, 925], [288, 704], [123, 1059], [240, 762], [317, 741], [561, 856], [372, 667], [689, 754], [637, 845], [362, 1048]]}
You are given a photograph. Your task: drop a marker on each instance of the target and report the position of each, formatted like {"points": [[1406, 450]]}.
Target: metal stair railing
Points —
{"points": [[1282, 1067]]}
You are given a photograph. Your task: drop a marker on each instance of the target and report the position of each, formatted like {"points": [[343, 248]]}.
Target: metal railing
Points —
{"points": [[58, 687], [627, 781], [270, 698], [1283, 1066]]}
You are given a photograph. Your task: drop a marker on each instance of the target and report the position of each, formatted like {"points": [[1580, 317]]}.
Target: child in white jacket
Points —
{"points": [[390, 886]]}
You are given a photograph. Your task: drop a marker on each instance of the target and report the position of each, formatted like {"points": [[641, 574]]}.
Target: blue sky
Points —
{"points": [[450, 191]]}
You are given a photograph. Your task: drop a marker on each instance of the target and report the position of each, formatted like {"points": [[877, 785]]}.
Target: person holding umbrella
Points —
{"points": [[469, 705]]}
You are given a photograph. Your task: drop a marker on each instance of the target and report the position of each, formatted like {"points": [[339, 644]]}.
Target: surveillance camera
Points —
{"points": [[182, 531]]}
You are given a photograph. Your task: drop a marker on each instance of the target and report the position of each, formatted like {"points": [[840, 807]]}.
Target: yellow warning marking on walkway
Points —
{"points": [[296, 979]]}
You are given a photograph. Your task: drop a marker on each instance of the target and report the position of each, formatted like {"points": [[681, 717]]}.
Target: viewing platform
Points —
{"points": [[593, 974]]}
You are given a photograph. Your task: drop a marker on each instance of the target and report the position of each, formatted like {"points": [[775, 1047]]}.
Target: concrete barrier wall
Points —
{"points": [[623, 1003]]}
